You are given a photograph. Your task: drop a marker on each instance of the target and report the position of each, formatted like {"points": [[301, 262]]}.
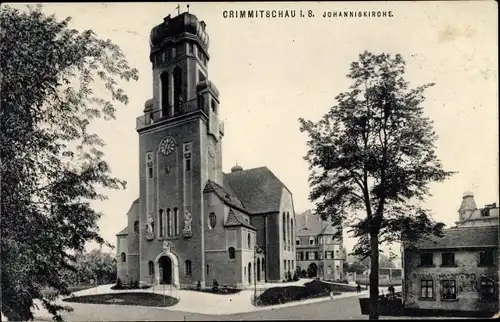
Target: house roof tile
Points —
{"points": [[258, 189], [462, 237]]}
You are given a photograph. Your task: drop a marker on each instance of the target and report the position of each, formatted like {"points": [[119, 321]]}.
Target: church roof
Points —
{"points": [[235, 219], [227, 195], [258, 189], [123, 232], [462, 237]]}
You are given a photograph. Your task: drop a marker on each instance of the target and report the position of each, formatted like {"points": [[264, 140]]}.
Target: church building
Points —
{"points": [[193, 222]]}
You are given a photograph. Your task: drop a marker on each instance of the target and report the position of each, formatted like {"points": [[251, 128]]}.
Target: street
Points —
{"points": [[338, 309]]}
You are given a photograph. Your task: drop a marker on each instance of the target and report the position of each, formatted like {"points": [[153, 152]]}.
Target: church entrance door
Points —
{"points": [[165, 264]]}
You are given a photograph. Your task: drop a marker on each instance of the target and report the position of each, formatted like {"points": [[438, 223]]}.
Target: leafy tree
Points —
{"points": [[372, 159], [52, 168]]}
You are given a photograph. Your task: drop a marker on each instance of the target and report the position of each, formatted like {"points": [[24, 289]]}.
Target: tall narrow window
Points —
{"points": [[232, 252], [177, 73], [123, 257], [284, 227], [176, 222], [188, 164], [427, 289], [164, 93], [449, 290], [249, 241], [151, 267], [208, 269], [136, 227], [187, 267], [160, 220], [169, 223]]}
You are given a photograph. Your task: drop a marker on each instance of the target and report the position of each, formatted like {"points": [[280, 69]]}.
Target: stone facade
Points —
{"points": [[459, 271], [317, 250], [193, 223]]}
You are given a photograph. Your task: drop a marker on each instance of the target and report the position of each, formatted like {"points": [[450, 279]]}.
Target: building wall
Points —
{"points": [[287, 243], [273, 247], [171, 187], [467, 275], [121, 267], [133, 255]]}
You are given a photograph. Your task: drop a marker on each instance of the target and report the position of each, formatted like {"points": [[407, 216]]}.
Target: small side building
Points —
{"points": [[459, 271]]}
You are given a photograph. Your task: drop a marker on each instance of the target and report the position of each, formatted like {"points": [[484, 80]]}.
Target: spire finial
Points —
{"points": [[178, 9], [188, 8]]}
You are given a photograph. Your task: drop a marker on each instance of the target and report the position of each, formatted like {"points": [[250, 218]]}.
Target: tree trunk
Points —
{"points": [[374, 276]]}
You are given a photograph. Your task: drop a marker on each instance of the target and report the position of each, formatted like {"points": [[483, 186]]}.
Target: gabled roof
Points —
{"points": [[258, 189], [226, 195], [123, 232], [236, 219], [462, 237], [309, 224]]}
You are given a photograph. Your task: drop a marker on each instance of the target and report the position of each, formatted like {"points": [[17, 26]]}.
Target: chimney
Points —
{"points": [[468, 205]]}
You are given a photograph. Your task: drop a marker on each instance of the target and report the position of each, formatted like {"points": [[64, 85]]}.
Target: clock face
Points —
{"points": [[167, 145], [211, 149]]}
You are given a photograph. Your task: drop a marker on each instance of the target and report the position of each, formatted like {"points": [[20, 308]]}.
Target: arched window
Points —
{"points": [[337, 254], [297, 241], [284, 227], [249, 272], [311, 240], [177, 73], [164, 93], [288, 226], [124, 257], [136, 227], [187, 267], [160, 220], [249, 241], [176, 221], [212, 220], [232, 252], [214, 105], [291, 227], [169, 223], [151, 267]]}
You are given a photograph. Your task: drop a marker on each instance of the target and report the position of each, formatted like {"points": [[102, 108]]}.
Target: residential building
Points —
{"points": [[459, 271], [318, 252], [192, 222]]}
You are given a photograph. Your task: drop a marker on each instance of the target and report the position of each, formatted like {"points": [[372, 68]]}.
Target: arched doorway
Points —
{"points": [[312, 270], [249, 272], [165, 264], [258, 269]]}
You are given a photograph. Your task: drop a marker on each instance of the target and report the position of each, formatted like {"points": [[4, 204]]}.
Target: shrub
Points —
{"points": [[304, 273], [289, 276], [215, 286], [135, 284], [296, 276], [198, 286], [277, 295], [119, 283]]}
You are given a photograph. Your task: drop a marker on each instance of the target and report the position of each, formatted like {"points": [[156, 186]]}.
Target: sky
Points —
{"points": [[272, 71]]}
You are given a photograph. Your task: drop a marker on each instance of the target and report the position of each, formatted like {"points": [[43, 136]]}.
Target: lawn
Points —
{"points": [[313, 289], [135, 298]]}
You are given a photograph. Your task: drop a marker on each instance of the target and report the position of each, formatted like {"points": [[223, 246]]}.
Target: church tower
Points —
{"points": [[180, 150]]}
